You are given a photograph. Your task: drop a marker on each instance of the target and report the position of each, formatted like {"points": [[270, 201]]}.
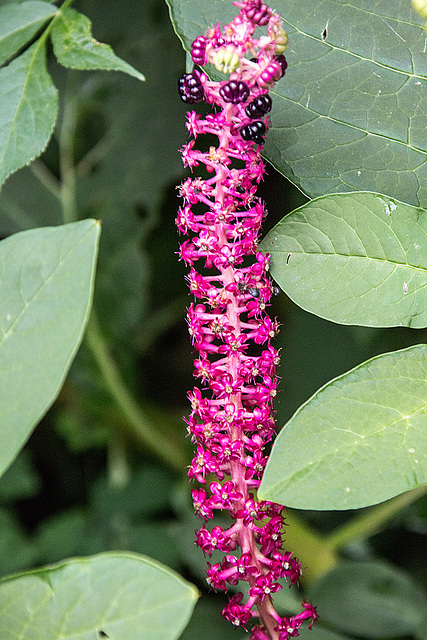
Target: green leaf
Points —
{"points": [[75, 47], [20, 480], [46, 284], [62, 535], [361, 439], [421, 632], [319, 633], [29, 107], [19, 23], [369, 599], [207, 623], [121, 596], [358, 258], [16, 549], [350, 112]]}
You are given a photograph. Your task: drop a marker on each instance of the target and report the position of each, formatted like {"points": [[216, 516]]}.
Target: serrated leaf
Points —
{"points": [[121, 596], [19, 23], [358, 258], [46, 286], [359, 440], [76, 48], [350, 112], [29, 106], [369, 599]]}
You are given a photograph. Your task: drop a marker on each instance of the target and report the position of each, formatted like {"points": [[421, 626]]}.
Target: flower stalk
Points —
{"points": [[232, 418]]}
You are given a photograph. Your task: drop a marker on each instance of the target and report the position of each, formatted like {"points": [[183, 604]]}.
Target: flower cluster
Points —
{"points": [[232, 418]]}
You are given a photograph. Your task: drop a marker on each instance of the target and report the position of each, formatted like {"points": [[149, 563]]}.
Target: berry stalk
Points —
{"points": [[232, 418]]}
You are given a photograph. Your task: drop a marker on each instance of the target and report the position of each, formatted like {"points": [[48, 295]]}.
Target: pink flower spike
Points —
{"points": [[232, 420]]}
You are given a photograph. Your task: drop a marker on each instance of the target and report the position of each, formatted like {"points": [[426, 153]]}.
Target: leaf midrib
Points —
{"points": [[344, 255]]}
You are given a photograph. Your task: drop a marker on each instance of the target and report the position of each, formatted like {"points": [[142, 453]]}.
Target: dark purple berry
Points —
{"points": [[190, 87], [254, 132], [282, 61], [259, 107], [198, 50], [234, 91]]}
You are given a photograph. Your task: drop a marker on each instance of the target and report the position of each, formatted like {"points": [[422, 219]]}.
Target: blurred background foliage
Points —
{"points": [[106, 467]]}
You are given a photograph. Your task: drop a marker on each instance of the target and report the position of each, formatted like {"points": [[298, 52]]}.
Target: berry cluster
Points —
{"points": [[232, 418]]}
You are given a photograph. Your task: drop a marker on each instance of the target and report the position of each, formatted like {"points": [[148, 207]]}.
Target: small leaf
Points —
{"points": [[121, 596], [359, 440], [369, 599], [19, 23], [29, 108], [356, 258], [75, 47], [46, 285]]}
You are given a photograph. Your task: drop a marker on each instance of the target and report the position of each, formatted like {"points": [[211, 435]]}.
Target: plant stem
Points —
{"points": [[141, 426], [66, 159], [118, 468], [370, 522], [46, 178]]}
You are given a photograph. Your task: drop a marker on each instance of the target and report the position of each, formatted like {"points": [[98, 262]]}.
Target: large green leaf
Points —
{"points": [[19, 23], [358, 258], [28, 111], [359, 440], [121, 596], [75, 47], [350, 112], [369, 599], [46, 284]]}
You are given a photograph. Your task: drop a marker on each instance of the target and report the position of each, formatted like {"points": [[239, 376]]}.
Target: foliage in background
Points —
{"points": [[104, 470]]}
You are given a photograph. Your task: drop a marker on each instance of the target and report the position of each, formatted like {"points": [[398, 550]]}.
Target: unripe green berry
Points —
{"points": [[226, 59], [281, 40]]}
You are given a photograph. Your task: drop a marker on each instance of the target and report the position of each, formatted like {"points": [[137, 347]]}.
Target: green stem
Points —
{"points": [[141, 426], [46, 178], [361, 527], [118, 468], [48, 29], [66, 156]]}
